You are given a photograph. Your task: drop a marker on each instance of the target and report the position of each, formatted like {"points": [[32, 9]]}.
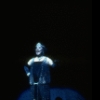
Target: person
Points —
{"points": [[38, 71]]}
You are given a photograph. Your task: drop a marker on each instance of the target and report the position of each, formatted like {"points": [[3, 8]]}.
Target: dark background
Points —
{"points": [[65, 29]]}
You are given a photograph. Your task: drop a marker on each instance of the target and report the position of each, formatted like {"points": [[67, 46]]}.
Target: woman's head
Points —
{"points": [[39, 49]]}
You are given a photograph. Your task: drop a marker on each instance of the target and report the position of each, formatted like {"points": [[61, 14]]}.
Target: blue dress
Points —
{"points": [[40, 72]]}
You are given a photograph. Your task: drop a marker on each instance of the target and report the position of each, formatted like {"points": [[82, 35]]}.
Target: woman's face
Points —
{"points": [[38, 49]]}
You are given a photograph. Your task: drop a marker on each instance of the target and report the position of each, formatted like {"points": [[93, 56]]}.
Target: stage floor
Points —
{"points": [[56, 94]]}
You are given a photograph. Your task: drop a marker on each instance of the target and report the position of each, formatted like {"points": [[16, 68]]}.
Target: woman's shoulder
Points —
{"points": [[49, 61], [30, 61], [48, 58]]}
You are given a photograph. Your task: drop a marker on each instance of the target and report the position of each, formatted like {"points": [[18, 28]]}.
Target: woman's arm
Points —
{"points": [[27, 70]]}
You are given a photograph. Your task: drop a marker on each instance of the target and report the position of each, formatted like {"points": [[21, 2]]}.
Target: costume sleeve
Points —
{"points": [[50, 62], [29, 63]]}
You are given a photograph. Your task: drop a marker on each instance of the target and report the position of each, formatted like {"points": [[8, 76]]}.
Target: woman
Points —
{"points": [[39, 74]]}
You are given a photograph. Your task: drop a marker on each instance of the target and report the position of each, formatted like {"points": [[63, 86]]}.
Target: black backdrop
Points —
{"points": [[65, 29]]}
